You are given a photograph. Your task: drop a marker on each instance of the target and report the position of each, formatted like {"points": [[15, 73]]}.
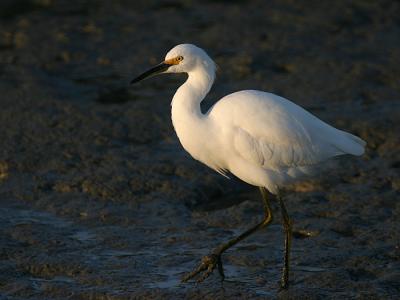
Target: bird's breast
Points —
{"points": [[202, 144]]}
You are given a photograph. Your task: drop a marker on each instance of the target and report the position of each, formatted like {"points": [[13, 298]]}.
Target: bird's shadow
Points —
{"points": [[224, 196]]}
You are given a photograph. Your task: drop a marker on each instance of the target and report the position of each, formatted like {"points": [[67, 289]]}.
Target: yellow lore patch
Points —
{"points": [[174, 61]]}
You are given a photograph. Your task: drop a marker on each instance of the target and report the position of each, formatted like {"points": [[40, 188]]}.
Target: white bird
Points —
{"points": [[261, 138]]}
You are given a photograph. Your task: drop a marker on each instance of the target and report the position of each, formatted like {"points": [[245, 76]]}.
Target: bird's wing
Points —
{"points": [[273, 132], [263, 151]]}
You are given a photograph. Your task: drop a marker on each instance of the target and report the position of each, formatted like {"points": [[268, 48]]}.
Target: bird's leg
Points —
{"points": [[209, 262], [287, 225]]}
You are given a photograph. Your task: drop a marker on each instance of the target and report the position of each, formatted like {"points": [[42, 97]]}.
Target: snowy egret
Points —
{"points": [[261, 138]]}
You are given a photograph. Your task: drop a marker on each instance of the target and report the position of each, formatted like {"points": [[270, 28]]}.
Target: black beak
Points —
{"points": [[153, 71]]}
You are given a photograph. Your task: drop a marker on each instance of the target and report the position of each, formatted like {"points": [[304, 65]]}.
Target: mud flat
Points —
{"points": [[99, 201]]}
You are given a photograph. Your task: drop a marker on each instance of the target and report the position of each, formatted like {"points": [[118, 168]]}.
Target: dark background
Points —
{"points": [[99, 201]]}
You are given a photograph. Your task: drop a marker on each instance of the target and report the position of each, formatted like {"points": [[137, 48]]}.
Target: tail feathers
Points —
{"points": [[348, 143]]}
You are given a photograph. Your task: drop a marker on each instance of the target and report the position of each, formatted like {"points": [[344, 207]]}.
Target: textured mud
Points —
{"points": [[99, 201]]}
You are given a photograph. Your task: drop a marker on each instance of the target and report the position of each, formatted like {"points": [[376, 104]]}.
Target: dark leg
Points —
{"points": [[287, 225], [209, 262]]}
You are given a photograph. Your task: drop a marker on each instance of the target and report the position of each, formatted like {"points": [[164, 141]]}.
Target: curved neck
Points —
{"points": [[186, 101]]}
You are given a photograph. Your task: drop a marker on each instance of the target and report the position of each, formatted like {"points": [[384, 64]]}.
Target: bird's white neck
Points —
{"points": [[187, 118], [186, 102]]}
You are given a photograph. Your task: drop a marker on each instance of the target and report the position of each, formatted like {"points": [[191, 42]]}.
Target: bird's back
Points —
{"points": [[276, 133]]}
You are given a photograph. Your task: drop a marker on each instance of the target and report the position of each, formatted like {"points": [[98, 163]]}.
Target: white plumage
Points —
{"points": [[263, 139]]}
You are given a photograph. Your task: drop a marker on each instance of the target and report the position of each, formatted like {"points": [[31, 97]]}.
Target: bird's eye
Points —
{"points": [[179, 58]]}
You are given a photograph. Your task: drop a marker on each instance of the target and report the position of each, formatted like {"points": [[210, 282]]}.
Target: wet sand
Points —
{"points": [[99, 200]]}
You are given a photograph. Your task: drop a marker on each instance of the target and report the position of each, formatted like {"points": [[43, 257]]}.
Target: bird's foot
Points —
{"points": [[207, 265], [284, 284], [303, 233]]}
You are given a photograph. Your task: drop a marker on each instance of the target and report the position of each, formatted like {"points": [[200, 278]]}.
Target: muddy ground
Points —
{"points": [[98, 199]]}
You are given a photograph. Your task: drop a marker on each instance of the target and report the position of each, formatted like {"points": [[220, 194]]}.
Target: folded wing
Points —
{"points": [[273, 132]]}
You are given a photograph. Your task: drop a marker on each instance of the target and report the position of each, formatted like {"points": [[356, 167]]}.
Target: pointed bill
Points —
{"points": [[160, 68]]}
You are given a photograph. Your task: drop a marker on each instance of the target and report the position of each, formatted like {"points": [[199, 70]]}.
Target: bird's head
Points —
{"points": [[183, 58]]}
